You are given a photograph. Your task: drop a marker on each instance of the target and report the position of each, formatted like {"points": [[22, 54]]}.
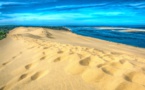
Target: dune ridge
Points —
{"points": [[45, 59]]}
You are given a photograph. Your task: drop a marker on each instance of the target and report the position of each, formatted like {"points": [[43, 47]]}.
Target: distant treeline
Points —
{"points": [[2, 34], [5, 29]]}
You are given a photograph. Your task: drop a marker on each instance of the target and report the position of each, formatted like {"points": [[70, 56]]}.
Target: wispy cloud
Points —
{"points": [[72, 6], [111, 13], [138, 5], [17, 3], [11, 3], [72, 11], [40, 16]]}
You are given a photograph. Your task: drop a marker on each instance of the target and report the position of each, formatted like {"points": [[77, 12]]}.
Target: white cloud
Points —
{"points": [[30, 16], [141, 6], [73, 6], [7, 3], [109, 13], [43, 17], [138, 5], [11, 3]]}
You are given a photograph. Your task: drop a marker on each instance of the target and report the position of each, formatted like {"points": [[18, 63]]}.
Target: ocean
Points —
{"points": [[134, 36], [129, 35]]}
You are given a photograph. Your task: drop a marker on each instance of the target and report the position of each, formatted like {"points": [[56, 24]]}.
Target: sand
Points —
{"points": [[45, 59]]}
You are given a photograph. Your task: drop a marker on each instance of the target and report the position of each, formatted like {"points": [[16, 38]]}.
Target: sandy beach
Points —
{"points": [[45, 59]]}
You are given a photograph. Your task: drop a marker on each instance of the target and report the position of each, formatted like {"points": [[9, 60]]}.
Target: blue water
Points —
{"points": [[130, 38]]}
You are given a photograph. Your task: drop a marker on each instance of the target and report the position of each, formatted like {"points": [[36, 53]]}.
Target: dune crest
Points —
{"points": [[45, 59]]}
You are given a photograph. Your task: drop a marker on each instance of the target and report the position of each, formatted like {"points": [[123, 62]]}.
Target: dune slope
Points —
{"points": [[45, 59]]}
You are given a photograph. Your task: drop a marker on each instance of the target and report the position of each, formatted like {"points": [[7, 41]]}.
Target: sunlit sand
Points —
{"points": [[45, 59]]}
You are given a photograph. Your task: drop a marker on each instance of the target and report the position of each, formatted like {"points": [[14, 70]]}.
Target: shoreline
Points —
{"points": [[40, 58], [65, 28], [111, 44], [135, 39]]}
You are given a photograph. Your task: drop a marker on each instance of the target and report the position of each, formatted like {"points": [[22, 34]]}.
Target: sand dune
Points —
{"points": [[45, 59]]}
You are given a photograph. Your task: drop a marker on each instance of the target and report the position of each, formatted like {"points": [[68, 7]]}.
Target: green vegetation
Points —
{"points": [[4, 30], [2, 34]]}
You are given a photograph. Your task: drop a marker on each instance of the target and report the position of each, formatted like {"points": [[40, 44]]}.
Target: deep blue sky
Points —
{"points": [[72, 12]]}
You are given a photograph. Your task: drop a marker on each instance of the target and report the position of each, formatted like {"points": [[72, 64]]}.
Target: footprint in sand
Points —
{"points": [[9, 60], [110, 70], [85, 62], [115, 53], [122, 61], [57, 59], [45, 47], [127, 78], [14, 57], [20, 52], [31, 65], [24, 68], [38, 75], [43, 53], [5, 63], [100, 65], [22, 77], [136, 77], [34, 76], [2, 88], [28, 66], [106, 71], [59, 52], [42, 58], [143, 68]]}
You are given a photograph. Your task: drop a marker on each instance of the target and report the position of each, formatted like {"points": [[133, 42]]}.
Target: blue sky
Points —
{"points": [[74, 12]]}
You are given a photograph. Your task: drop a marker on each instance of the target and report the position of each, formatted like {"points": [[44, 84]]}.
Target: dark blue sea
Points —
{"points": [[114, 34], [134, 36]]}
